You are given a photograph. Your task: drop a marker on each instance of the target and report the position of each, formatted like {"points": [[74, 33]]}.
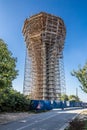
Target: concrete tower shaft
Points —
{"points": [[44, 36]]}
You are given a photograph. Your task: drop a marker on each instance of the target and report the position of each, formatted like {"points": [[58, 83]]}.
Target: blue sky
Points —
{"points": [[73, 12]]}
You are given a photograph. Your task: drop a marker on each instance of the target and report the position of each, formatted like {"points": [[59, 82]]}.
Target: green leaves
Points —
{"points": [[64, 97], [74, 98], [11, 100], [81, 75], [7, 66]]}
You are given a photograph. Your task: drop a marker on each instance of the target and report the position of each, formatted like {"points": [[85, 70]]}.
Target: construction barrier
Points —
{"points": [[48, 105]]}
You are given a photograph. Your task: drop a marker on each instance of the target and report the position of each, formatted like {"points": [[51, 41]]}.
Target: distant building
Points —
{"points": [[44, 71]]}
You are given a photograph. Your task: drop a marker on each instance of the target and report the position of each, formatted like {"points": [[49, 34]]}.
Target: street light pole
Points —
{"points": [[76, 92]]}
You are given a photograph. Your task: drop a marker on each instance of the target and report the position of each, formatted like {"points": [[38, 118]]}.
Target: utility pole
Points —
{"points": [[76, 92]]}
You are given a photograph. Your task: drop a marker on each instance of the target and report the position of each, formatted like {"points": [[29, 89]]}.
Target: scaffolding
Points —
{"points": [[28, 75], [44, 36]]}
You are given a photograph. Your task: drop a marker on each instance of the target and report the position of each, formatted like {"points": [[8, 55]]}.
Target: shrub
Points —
{"points": [[11, 100], [76, 124]]}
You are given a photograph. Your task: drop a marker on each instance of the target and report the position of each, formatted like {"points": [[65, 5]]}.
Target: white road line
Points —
{"points": [[21, 128], [23, 121], [62, 128], [66, 124]]}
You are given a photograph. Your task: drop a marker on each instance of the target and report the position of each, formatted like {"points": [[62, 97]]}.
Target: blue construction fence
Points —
{"points": [[48, 105]]}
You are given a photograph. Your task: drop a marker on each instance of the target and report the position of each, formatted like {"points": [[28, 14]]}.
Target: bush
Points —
{"points": [[12, 101], [76, 124]]}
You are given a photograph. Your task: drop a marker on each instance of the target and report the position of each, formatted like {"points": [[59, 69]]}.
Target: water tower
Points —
{"points": [[44, 71]]}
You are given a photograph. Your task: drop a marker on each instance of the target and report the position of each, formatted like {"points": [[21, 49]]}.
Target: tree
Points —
{"points": [[74, 98], [64, 97], [7, 66], [81, 75]]}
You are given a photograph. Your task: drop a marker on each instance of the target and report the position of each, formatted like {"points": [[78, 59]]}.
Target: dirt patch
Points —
{"points": [[79, 123], [83, 115], [8, 117]]}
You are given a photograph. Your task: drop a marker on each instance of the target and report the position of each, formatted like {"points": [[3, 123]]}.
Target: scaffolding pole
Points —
{"points": [[44, 36]]}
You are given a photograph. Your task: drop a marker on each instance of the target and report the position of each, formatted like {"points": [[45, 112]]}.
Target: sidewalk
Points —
{"points": [[68, 108], [8, 117]]}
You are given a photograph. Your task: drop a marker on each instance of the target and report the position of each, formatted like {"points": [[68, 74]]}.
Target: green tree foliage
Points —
{"points": [[7, 66], [64, 97], [11, 100], [74, 98], [81, 75]]}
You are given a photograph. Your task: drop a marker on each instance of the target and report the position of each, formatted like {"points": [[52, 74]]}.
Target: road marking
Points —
{"points": [[21, 128], [23, 121], [62, 128], [66, 124]]}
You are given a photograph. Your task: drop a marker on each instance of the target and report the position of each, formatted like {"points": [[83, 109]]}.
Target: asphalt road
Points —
{"points": [[52, 120]]}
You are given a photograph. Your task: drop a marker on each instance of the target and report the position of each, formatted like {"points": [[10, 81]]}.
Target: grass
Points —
{"points": [[85, 127], [77, 125]]}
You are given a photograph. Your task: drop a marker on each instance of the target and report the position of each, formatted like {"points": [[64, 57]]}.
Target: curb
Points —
{"points": [[67, 124]]}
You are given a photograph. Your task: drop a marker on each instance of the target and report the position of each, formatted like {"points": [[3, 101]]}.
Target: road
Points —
{"points": [[52, 120]]}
